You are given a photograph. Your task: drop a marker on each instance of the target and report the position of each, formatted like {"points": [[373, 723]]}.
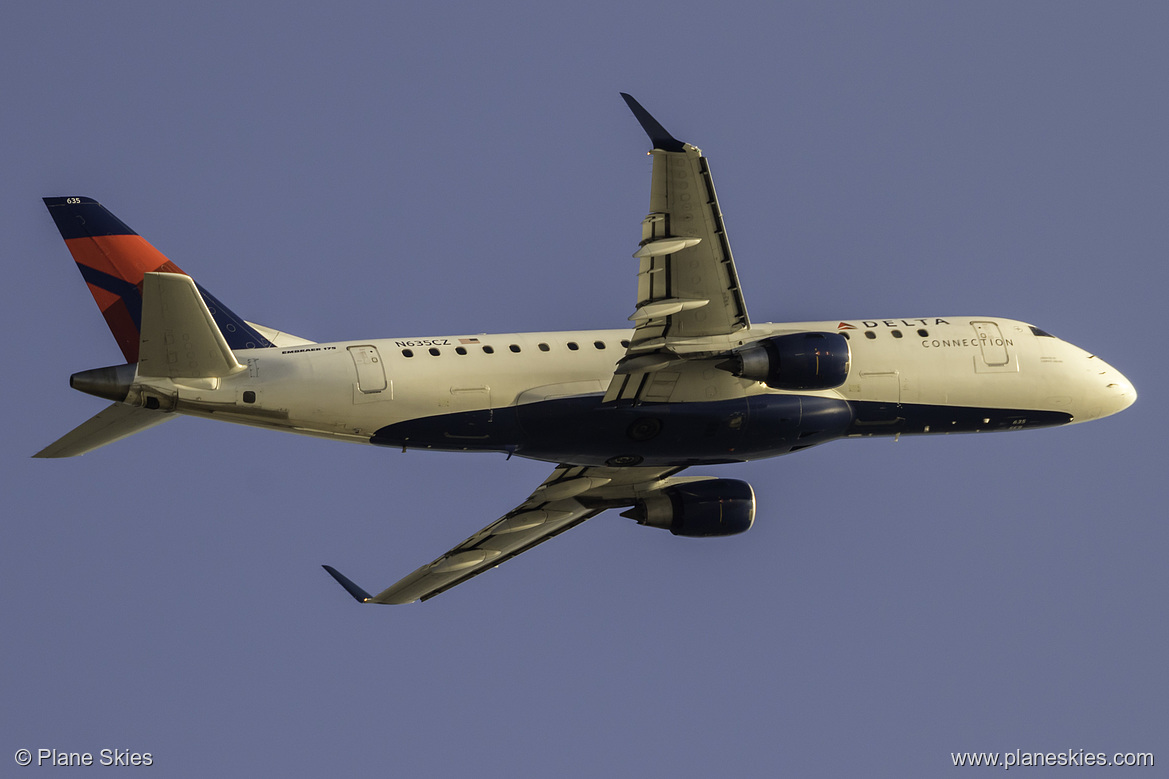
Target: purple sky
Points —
{"points": [[398, 170]]}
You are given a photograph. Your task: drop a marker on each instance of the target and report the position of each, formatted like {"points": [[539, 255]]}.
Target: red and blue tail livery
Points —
{"points": [[113, 260]]}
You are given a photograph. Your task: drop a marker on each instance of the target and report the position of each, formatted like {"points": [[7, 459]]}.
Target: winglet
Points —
{"points": [[661, 139], [360, 595]]}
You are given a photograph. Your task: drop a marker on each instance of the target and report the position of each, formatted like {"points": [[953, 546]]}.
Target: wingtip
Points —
{"points": [[658, 134], [359, 595]]}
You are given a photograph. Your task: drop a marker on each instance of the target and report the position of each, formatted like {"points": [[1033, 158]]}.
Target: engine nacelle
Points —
{"points": [[796, 361], [715, 507]]}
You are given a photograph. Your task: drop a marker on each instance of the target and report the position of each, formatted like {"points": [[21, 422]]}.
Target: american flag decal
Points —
{"points": [[468, 340]]}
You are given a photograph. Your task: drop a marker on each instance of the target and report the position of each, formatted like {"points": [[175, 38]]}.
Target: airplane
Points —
{"points": [[620, 412]]}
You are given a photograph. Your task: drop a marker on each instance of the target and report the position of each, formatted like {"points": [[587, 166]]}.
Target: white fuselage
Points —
{"points": [[352, 389]]}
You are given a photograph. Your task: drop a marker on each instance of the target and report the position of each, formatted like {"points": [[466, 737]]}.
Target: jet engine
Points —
{"points": [[713, 507], [796, 361]]}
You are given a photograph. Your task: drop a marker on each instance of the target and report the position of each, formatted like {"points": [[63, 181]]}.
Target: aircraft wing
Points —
{"points": [[687, 288], [688, 300], [568, 497]]}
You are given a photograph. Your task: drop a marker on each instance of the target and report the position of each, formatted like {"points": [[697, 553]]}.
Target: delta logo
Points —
{"points": [[894, 323]]}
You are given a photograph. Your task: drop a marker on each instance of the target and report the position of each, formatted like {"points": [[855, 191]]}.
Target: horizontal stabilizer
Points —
{"points": [[179, 336], [113, 424]]}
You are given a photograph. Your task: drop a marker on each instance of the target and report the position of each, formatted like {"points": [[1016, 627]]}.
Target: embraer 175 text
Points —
{"points": [[620, 412]]}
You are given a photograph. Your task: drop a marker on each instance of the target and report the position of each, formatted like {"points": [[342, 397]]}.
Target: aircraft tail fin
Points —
{"points": [[113, 260], [166, 325], [179, 341]]}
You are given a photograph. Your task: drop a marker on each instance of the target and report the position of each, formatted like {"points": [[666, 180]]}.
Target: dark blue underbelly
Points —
{"points": [[580, 430], [885, 419]]}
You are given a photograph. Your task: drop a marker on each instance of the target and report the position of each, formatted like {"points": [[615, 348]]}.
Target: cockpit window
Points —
{"points": [[1041, 333]]}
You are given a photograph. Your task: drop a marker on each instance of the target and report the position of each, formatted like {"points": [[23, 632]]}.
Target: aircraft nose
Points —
{"points": [[1111, 391]]}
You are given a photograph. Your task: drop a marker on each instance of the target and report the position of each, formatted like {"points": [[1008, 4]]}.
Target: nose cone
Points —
{"points": [[1119, 393], [1107, 391]]}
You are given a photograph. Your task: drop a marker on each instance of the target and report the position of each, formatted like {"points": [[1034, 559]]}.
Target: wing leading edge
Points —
{"points": [[568, 497], [688, 291]]}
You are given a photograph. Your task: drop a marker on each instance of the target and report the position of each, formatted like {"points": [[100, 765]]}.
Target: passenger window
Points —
{"points": [[625, 344], [514, 348], [599, 344], [870, 334], [572, 347], [460, 350], [896, 333], [924, 333], [407, 353], [488, 350], [435, 351], [544, 347]]}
